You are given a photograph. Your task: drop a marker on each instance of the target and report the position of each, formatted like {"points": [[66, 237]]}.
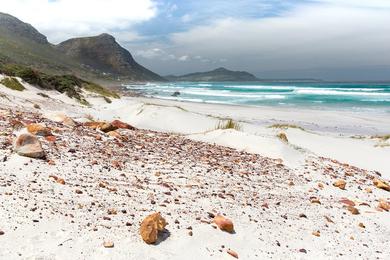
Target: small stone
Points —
{"points": [[1, 233], [340, 184], [108, 244], [316, 233], [362, 225], [302, 215], [150, 227], [302, 250], [315, 200], [232, 253], [224, 224], [37, 129], [384, 205], [190, 233], [353, 210], [381, 185], [78, 191], [112, 212], [60, 181]]}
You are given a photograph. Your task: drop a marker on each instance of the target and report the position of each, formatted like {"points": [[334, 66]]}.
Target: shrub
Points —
{"points": [[12, 83]]}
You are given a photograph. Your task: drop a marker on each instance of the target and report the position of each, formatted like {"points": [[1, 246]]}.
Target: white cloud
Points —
{"points": [[184, 58], [309, 36], [62, 19]]}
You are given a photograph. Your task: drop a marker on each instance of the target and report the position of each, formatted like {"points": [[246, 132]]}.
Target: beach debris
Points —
{"points": [[340, 184], [381, 184], [37, 129], [108, 244], [28, 145], [232, 253], [151, 226], [122, 125], [353, 210], [224, 223], [283, 137]]}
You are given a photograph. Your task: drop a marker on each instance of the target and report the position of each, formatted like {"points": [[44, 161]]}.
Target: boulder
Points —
{"points": [[28, 145], [150, 227], [37, 129], [103, 126], [121, 125], [224, 224]]}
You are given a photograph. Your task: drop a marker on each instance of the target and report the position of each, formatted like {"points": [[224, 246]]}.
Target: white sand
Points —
{"points": [[327, 134]]}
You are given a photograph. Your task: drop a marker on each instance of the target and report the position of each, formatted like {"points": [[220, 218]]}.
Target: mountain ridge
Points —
{"points": [[219, 74]]}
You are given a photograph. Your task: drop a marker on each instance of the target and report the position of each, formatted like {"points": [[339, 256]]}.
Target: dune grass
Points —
{"points": [[12, 83], [229, 124], [382, 137], [286, 126]]}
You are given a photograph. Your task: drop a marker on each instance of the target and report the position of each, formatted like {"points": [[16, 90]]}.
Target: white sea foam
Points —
{"points": [[314, 91]]}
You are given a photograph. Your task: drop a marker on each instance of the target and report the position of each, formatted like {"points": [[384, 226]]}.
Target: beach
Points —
{"points": [[276, 176]]}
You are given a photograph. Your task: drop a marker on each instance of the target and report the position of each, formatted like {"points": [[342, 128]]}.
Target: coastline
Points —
{"points": [[281, 196]]}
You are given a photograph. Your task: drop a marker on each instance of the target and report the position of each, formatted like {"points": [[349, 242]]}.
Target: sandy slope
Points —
{"points": [[145, 171]]}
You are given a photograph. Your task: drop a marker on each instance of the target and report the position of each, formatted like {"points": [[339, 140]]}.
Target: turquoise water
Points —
{"points": [[340, 95]]}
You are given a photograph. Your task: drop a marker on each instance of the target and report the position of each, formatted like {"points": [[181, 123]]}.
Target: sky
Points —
{"points": [[324, 39]]}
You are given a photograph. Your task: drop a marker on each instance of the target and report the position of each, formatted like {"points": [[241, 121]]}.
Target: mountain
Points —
{"points": [[98, 58], [220, 74], [103, 54]]}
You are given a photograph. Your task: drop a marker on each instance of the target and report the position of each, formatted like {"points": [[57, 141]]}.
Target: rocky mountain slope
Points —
{"points": [[220, 74], [93, 58], [103, 54]]}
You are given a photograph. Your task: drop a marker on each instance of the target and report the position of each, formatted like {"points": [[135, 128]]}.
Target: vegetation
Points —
{"points": [[283, 137], [286, 126], [229, 124], [68, 84], [12, 83], [382, 137]]}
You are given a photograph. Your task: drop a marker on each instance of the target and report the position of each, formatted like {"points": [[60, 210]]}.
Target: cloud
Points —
{"points": [[308, 36], [62, 19]]}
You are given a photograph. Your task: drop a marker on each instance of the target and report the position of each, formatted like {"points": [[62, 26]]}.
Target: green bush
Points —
{"points": [[12, 83]]}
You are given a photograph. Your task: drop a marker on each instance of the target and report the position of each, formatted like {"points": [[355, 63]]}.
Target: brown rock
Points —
{"points": [[114, 134], [353, 210], [28, 145], [107, 127], [78, 191], [60, 181], [347, 202], [150, 227], [316, 233], [121, 125], [108, 244], [362, 225], [315, 200], [224, 224], [381, 184], [51, 138], [384, 205], [232, 253], [340, 184], [37, 129]]}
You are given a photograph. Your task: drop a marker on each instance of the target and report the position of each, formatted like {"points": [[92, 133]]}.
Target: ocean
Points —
{"points": [[373, 96]]}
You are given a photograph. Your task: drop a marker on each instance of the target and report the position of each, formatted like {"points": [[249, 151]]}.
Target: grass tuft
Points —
{"points": [[12, 83], [229, 124], [382, 137]]}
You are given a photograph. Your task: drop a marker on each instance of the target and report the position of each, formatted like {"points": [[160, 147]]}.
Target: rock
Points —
{"points": [[114, 134], [353, 210], [347, 202], [176, 94], [1, 233], [103, 126], [37, 129], [340, 184], [78, 191], [232, 253], [302, 250], [28, 145], [68, 121], [362, 225], [384, 205], [51, 138], [121, 125], [315, 200], [150, 227], [368, 190], [316, 233], [381, 185], [60, 181], [224, 224], [108, 244]]}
